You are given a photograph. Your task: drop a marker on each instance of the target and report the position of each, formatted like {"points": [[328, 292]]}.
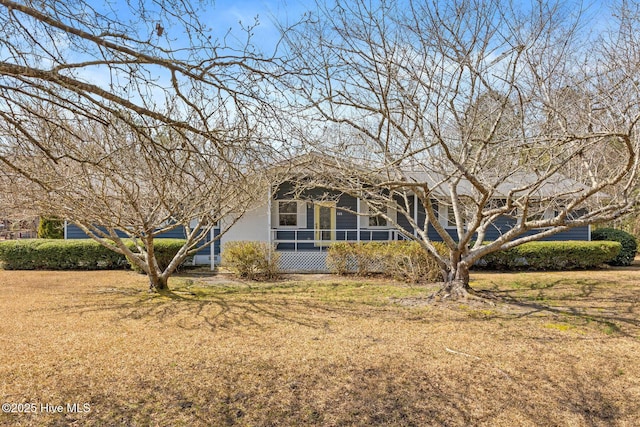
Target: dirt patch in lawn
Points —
{"points": [[544, 349]]}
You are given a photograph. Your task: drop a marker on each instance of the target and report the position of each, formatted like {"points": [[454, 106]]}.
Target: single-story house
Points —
{"points": [[302, 224]]}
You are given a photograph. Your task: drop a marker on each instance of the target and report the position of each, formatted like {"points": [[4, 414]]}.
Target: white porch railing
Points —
{"points": [[319, 240]]}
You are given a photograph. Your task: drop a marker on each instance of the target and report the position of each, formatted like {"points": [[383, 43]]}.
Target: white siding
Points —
{"points": [[252, 226]]}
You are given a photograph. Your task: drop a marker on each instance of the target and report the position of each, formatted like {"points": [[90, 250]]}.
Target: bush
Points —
{"points": [[75, 254], [628, 242], [251, 260], [410, 262], [362, 258], [341, 258], [46, 254], [565, 255], [50, 228], [164, 249], [403, 260]]}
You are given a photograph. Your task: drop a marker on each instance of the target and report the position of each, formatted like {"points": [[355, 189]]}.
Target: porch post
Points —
{"points": [[358, 219], [66, 224]]}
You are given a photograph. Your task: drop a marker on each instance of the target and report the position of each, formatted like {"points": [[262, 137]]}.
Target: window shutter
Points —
{"points": [[393, 214], [364, 219], [274, 214], [302, 214]]}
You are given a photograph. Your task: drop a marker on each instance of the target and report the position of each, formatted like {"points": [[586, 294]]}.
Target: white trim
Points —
{"points": [[269, 209], [415, 214], [358, 219], [443, 216], [589, 232], [269, 214], [302, 214], [66, 224], [212, 249]]}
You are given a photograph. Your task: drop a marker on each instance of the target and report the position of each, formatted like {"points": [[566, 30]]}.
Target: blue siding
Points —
{"points": [[504, 224], [216, 245], [347, 220], [74, 232], [578, 233], [402, 220]]}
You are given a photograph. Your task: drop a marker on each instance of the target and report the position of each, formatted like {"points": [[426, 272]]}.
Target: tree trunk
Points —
{"points": [[456, 285], [158, 283]]}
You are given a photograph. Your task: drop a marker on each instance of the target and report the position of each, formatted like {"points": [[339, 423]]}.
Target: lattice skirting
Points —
{"points": [[316, 262], [303, 262]]}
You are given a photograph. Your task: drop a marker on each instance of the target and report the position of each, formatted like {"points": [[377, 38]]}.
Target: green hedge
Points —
{"points": [[77, 254], [628, 242], [564, 255], [402, 260], [165, 250]]}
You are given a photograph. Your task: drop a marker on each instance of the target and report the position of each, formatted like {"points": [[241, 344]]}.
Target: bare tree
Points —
{"points": [[133, 118], [481, 109], [120, 185]]}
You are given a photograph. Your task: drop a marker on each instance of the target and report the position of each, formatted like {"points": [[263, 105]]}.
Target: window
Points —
{"points": [[288, 213], [373, 220], [446, 216], [377, 221]]}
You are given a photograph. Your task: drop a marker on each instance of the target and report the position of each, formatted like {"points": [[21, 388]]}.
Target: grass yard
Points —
{"points": [[557, 349]]}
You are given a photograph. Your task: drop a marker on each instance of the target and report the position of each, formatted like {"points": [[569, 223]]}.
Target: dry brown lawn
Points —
{"points": [[558, 349]]}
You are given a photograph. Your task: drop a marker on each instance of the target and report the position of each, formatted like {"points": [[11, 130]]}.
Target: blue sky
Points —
{"points": [[225, 14]]}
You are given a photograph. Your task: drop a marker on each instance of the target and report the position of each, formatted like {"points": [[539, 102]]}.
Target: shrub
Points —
{"points": [[251, 260], [50, 228], [341, 258], [362, 258], [46, 254], [164, 249], [410, 262], [402, 260], [628, 242], [75, 254], [565, 255]]}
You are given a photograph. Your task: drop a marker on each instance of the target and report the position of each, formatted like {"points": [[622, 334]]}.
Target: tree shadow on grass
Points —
{"points": [[215, 307], [613, 309]]}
